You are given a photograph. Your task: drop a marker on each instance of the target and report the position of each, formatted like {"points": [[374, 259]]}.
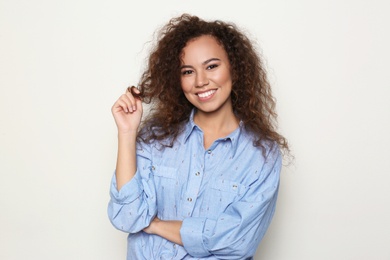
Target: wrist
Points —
{"points": [[131, 134], [154, 226]]}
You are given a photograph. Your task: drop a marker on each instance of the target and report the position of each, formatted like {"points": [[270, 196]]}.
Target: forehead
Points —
{"points": [[203, 47]]}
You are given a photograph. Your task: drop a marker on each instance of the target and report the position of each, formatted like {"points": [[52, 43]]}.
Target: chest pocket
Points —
{"points": [[223, 193], [166, 181]]}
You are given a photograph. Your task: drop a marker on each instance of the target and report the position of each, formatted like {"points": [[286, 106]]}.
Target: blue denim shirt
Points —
{"points": [[224, 195]]}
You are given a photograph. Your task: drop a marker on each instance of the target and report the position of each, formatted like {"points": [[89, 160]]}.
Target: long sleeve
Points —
{"points": [[132, 208], [237, 232]]}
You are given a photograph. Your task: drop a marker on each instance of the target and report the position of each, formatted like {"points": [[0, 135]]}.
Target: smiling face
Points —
{"points": [[205, 75]]}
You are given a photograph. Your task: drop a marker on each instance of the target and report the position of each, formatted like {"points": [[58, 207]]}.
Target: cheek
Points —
{"points": [[222, 78], [185, 85]]}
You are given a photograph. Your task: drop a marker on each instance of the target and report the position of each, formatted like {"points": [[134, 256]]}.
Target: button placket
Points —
{"points": [[190, 196]]}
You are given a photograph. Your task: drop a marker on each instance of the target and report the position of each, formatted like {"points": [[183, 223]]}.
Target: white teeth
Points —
{"points": [[206, 94]]}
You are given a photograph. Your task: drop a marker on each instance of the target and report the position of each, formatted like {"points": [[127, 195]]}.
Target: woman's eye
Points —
{"points": [[186, 72], [212, 66]]}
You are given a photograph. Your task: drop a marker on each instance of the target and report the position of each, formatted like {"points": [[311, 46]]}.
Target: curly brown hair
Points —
{"points": [[160, 83]]}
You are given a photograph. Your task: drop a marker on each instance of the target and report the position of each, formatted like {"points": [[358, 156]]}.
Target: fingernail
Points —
{"points": [[134, 108]]}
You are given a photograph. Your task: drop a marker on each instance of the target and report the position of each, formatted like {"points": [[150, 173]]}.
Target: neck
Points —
{"points": [[218, 123]]}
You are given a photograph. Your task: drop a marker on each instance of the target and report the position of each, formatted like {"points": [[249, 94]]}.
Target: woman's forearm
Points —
{"points": [[168, 229], [126, 164]]}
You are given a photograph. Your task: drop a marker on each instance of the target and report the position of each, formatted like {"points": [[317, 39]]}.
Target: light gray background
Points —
{"points": [[64, 63]]}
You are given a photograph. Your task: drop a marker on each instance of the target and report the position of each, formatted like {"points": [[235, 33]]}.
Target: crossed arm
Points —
{"points": [[168, 229]]}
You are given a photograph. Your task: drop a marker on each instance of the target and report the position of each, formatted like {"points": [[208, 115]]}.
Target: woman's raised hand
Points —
{"points": [[127, 112]]}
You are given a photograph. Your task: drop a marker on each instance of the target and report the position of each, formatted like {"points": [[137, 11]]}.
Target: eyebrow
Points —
{"points": [[203, 63]]}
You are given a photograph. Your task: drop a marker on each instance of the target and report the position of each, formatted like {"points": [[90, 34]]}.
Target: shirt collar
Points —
{"points": [[190, 126], [233, 137]]}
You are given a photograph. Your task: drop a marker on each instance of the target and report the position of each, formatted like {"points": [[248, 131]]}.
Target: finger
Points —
{"points": [[128, 102], [135, 92], [121, 104], [132, 100]]}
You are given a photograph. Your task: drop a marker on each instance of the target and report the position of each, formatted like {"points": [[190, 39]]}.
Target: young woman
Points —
{"points": [[198, 177]]}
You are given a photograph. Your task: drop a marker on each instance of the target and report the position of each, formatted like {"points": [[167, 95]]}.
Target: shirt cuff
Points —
{"points": [[192, 236], [128, 193]]}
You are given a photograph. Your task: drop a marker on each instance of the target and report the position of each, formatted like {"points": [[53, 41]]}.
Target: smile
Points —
{"points": [[206, 94]]}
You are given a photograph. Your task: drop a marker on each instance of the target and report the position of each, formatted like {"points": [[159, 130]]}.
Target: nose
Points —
{"points": [[201, 79]]}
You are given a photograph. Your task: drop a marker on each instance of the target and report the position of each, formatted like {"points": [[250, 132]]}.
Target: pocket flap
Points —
{"points": [[164, 171]]}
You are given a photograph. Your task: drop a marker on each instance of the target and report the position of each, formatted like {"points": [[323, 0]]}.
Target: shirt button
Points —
{"points": [[209, 151], [197, 174], [189, 199], [153, 168]]}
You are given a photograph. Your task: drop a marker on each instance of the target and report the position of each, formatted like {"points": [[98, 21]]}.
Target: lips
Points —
{"points": [[207, 94]]}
